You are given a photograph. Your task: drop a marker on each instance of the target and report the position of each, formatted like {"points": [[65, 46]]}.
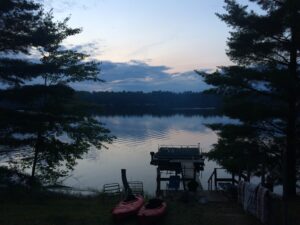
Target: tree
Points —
{"points": [[48, 138], [18, 24], [262, 91], [19, 21], [241, 150], [41, 122]]}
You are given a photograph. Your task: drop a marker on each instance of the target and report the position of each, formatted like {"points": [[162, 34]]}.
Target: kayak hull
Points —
{"points": [[148, 216], [127, 208]]}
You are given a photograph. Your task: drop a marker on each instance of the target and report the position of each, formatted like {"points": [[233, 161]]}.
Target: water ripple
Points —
{"points": [[136, 137]]}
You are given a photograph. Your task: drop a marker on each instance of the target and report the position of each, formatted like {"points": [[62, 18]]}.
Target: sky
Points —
{"points": [[147, 45]]}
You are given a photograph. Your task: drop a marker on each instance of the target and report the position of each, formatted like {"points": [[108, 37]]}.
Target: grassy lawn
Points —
{"points": [[20, 208]]}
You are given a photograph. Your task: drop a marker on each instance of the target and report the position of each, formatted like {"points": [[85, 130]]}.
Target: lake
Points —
{"points": [[137, 136]]}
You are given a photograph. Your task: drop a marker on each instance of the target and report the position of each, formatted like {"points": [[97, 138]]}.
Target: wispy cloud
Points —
{"points": [[147, 47]]}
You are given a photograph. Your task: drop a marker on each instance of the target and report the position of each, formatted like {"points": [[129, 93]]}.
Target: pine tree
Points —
{"points": [[19, 20], [41, 125], [262, 90]]}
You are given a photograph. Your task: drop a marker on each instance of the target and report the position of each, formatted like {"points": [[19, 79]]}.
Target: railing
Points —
{"points": [[178, 146], [182, 147], [213, 180]]}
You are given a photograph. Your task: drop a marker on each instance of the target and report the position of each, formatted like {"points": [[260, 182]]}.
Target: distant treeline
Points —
{"points": [[157, 102]]}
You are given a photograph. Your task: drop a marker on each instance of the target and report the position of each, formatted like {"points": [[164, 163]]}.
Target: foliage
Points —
{"points": [[261, 91], [18, 25], [41, 123], [59, 134]]}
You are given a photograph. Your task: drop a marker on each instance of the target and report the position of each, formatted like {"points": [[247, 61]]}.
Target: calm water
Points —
{"points": [[136, 138]]}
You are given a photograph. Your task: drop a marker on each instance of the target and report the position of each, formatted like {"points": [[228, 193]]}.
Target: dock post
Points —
{"points": [[233, 178], [182, 177], [216, 179], [158, 182]]}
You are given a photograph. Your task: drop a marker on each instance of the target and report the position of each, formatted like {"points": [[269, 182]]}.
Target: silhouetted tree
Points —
{"points": [[19, 21], [48, 136], [262, 91], [42, 122]]}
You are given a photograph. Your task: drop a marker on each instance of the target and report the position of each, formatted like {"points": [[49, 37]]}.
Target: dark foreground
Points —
{"points": [[27, 208]]}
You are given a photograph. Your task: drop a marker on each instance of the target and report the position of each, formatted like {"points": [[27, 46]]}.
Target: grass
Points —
{"points": [[22, 208], [19, 207]]}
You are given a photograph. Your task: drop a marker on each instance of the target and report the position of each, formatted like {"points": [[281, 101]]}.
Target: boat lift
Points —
{"points": [[176, 160]]}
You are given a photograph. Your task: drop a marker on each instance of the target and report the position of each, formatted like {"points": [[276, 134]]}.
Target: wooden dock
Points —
{"points": [[182, 162]]}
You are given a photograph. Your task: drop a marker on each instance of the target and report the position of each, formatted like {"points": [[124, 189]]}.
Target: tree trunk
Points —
{"points": [[263, 174], [36, 152], [289, 154]]}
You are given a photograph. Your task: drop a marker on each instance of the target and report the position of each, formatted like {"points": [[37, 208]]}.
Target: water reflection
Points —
{"points": [[136, 138]]}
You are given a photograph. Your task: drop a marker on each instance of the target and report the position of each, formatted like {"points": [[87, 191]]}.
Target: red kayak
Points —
{"points": [[128, 208], [152, 212]]}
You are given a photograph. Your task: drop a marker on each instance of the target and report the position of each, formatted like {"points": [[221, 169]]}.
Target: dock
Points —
{"points": [[177, 164]]}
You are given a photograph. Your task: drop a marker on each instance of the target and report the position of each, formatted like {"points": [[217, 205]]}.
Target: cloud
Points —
{"points": [[147, 47], [134, 75], [62, 6], [92, 48], [140, 76]]}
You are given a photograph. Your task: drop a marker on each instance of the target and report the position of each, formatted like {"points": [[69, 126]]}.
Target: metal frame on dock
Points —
{"points": [[173, 159]]}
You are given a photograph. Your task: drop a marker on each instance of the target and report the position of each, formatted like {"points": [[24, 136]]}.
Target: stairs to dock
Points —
{"points": [[215, 182]]}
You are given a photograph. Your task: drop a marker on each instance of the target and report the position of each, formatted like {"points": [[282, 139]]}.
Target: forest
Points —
{"points": [[156, 102]]}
